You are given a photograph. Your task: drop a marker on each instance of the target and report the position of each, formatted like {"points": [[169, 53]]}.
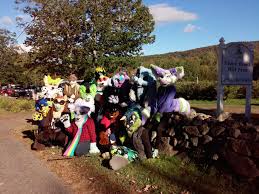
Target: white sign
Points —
{"points": [[235, 67]]}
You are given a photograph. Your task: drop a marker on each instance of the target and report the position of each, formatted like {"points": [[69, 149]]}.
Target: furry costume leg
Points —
{"points": [[142, 144]]}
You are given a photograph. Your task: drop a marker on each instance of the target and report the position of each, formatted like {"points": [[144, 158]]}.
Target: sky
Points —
{"points": [[181, 24]]}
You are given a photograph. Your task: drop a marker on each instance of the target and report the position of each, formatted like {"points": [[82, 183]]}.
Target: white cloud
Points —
{"points": [[191, 28], [22, 48], [165, 13], [25, 18], [6, 20]]}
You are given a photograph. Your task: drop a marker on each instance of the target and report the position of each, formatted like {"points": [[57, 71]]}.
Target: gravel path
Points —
{"points": [[20, 171]]}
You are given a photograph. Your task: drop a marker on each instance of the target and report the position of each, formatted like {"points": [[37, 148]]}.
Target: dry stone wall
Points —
{"points": [[204, 137]]}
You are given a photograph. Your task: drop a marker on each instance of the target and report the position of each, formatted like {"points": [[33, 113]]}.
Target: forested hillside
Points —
{"points": [[200, 62]]}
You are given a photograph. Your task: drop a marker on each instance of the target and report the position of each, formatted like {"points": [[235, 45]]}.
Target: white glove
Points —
{"points": [[93, 148], [132, 95], [155, 153], [65, 120], [113, 99], [124, 104]]}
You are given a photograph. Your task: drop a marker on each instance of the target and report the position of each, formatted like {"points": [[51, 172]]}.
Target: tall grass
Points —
{"points": [[16, 105]]}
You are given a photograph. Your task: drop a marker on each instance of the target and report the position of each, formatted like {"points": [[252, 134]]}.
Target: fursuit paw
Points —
{"points": [[65, 120], [155, 153], [94, 149], [113, 99]]}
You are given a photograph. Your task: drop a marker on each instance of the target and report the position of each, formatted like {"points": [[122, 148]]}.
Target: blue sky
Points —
{"points": [[183, 24]]}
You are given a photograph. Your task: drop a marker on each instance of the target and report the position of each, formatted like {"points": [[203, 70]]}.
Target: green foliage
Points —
{"points": [[198, 63], [207, 90], [16, 105], [74, 36]]}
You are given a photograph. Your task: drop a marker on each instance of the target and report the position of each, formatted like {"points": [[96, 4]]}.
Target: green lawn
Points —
{"points": [[226, 102]]}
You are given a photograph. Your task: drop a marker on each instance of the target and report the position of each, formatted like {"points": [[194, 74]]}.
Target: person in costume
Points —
{"points": [[108, 128], [82, 130], [137, 133], [51, 88], [144, 89], [102, 81], [42, 112], [88, 87], [118, 90], [71, 89], [165, 101]]}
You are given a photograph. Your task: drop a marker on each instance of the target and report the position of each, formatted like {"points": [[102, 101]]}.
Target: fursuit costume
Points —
{"points": [[165, 102], [82, 130]]}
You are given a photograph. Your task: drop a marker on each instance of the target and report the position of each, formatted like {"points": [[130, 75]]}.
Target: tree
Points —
{"points": [[7, 55], [83, 33]]}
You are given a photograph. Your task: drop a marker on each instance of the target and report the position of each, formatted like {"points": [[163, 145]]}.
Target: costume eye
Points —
{"points": [[131, 122], [62, 102]]}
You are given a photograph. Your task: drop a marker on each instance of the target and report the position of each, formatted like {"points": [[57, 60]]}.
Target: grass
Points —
{"points": [[226, 102], [16, 105], [163, 175]]}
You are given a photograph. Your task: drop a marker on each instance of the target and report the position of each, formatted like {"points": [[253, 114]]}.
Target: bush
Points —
{"points": [[207, 90], [16, 105], [192, 91]]}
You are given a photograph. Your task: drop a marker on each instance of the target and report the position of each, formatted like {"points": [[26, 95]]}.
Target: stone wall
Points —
{"points": [[204, 137]]}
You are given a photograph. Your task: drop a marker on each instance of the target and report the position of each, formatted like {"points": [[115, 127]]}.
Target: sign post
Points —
{"points": [[235, 67]]}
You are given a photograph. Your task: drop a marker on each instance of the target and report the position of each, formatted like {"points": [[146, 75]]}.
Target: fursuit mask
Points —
{"points": [[145, 82], [167, 77], [118, 79], [84, 106], [59, 103], [144, 77], [88, 87], [101, 83], [40, 104], [72, 80], [51, 89], [42, 109], [113, 113], [99, 71], [132, 120]]}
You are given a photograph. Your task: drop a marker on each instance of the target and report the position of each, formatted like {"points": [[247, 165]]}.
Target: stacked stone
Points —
{"points": [[233, 141]]}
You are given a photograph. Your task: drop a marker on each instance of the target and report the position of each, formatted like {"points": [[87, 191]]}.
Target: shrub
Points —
{"points": [[207, 90], [16, 105]]}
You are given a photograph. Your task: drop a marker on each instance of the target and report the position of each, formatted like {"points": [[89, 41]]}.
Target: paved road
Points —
{"points": [[20, 171]]}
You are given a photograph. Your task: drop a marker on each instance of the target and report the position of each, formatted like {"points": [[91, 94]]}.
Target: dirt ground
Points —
{"points": [[78, 173], [83, 176], [20, 171]]}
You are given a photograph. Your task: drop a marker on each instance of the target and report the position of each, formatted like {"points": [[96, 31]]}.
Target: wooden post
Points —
{"points": [[248, 101], [220, 87]]}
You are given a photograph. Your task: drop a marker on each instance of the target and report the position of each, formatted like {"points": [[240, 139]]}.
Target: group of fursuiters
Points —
{"points": [[119, 117]]}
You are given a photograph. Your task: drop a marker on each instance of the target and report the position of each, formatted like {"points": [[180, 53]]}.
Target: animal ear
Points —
{"points": [[45, 80], [123, 118], [157, 70], [180, 72], [136, 115]]}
